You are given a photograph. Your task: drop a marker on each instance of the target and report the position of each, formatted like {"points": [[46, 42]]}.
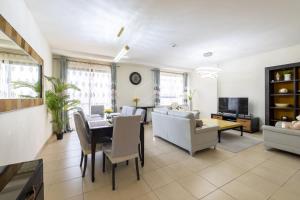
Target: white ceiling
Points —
{"points": [[228, 28]]}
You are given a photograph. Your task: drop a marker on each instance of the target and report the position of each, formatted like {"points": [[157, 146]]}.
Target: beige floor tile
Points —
{"points": [[195, 165], [257, 183], [173, 191], [177, 170], [221, 174], [62, 175], [242, 192], [271, 174], [196, 185], [133, 188], [241, 162], [283, 194], [79, 197], [104, 193], [157, 178], [173, 174], [64, 190], [148, 196], [217, 195]]}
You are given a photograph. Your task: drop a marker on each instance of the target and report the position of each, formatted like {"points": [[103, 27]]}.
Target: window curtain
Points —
{"points": [[63, 77], [114, 87], [156, 78], [94, 82], [185, 88]]}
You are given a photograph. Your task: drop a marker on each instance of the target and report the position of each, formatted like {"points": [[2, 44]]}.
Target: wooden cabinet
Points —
{"points": [[246, 124], [250, 125]]}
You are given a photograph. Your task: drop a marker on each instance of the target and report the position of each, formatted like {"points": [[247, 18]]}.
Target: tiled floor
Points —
{"points": [[171, 173]]}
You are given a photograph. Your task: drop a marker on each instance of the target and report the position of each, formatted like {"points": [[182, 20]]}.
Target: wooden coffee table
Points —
{"points": [[223, 125]]}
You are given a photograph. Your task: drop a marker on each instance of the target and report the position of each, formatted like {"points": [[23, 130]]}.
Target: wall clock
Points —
{"points": [[135, 78]]}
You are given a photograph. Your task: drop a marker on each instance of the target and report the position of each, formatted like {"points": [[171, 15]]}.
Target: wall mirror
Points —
{"points": [[21, 71]]}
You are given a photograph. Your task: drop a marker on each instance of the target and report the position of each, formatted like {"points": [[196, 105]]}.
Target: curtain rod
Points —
{"points": [[85, 62], [181, 73]]}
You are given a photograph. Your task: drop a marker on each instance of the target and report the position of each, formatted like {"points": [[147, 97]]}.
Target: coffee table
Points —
{"points": [[223, 125]]}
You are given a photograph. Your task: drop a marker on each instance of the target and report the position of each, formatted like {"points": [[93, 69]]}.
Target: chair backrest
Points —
{"points": [[141, 112], [97, 109], [80, 111], [126, 134], [128, 111], [81, 130]]}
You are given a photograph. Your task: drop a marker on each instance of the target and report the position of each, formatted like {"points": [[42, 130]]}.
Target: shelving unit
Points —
{"points": [[273, 113]]}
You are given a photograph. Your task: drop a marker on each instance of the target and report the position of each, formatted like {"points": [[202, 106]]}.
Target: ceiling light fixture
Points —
{"points": [[120, 31], [207, 54], [121, 54], [208, 72]]}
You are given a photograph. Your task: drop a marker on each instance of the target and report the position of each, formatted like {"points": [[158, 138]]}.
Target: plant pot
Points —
{"points": [[59, 136]]}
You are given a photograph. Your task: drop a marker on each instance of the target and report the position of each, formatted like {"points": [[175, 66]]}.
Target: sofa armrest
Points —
{"points": [[281, 130], [206, 129]]}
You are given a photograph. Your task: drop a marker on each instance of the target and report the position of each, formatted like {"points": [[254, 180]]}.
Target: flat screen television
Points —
{"points": [[233, 105]]}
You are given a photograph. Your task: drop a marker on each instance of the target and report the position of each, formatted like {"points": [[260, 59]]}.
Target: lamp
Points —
{"points": [[208, 72], [122, 53]]}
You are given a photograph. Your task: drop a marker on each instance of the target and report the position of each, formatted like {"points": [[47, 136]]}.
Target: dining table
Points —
{"points": [[101, 128]]}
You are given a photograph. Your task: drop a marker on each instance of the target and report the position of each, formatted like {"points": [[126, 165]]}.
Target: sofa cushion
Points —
{"points": [[161, 110], [182, 114]]}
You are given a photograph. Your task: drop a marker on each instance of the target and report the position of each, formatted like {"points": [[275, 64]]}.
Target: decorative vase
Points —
{"points": [[287, 77], [277, 76], [191, 105]]}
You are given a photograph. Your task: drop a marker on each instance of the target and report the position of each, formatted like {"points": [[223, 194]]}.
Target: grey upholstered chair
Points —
{"points": [[141, 112], [82, 133], [128, 111], [97, 110], [124, 143]]}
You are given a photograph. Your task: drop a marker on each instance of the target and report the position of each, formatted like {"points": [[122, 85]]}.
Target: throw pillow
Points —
{"points": [[295, 125]]}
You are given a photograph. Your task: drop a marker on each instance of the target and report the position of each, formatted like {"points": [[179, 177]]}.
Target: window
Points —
{"points": [[171, 88], [19, 80], [94, 82]]}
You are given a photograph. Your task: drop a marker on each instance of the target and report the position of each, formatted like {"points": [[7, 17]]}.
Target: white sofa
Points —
{"points": [[281, 138], [180, 129]]}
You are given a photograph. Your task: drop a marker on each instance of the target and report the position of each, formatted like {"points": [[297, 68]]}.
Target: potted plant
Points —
{"points": [[58, 102], [36, 87]]}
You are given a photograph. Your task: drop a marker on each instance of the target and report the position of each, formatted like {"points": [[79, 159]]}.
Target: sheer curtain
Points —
{"points": [[13, 71], [94, 82], [171, 88]]}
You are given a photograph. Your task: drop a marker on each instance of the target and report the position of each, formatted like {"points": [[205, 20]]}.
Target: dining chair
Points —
{"points": [[97, 110], [141, 112], [124, 145], [128, 111], [82, 133]]}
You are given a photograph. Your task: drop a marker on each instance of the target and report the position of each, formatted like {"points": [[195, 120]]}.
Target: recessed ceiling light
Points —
{"points": [[120, 31], [207, 54], [173, 45]]}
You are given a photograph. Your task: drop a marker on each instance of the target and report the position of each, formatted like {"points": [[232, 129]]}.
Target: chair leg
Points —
{"points": [[113, 176], [81, 159], [139, 149], [103, 163], [85, 164], [137, 168]]}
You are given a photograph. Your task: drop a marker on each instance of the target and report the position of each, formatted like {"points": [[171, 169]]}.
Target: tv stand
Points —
{"points": [[250, 124]]}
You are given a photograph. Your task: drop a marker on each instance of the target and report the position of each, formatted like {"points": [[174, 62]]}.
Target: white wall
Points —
{"points": [[127, 91], [205, 96], [245, 77], [24, 132]]}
